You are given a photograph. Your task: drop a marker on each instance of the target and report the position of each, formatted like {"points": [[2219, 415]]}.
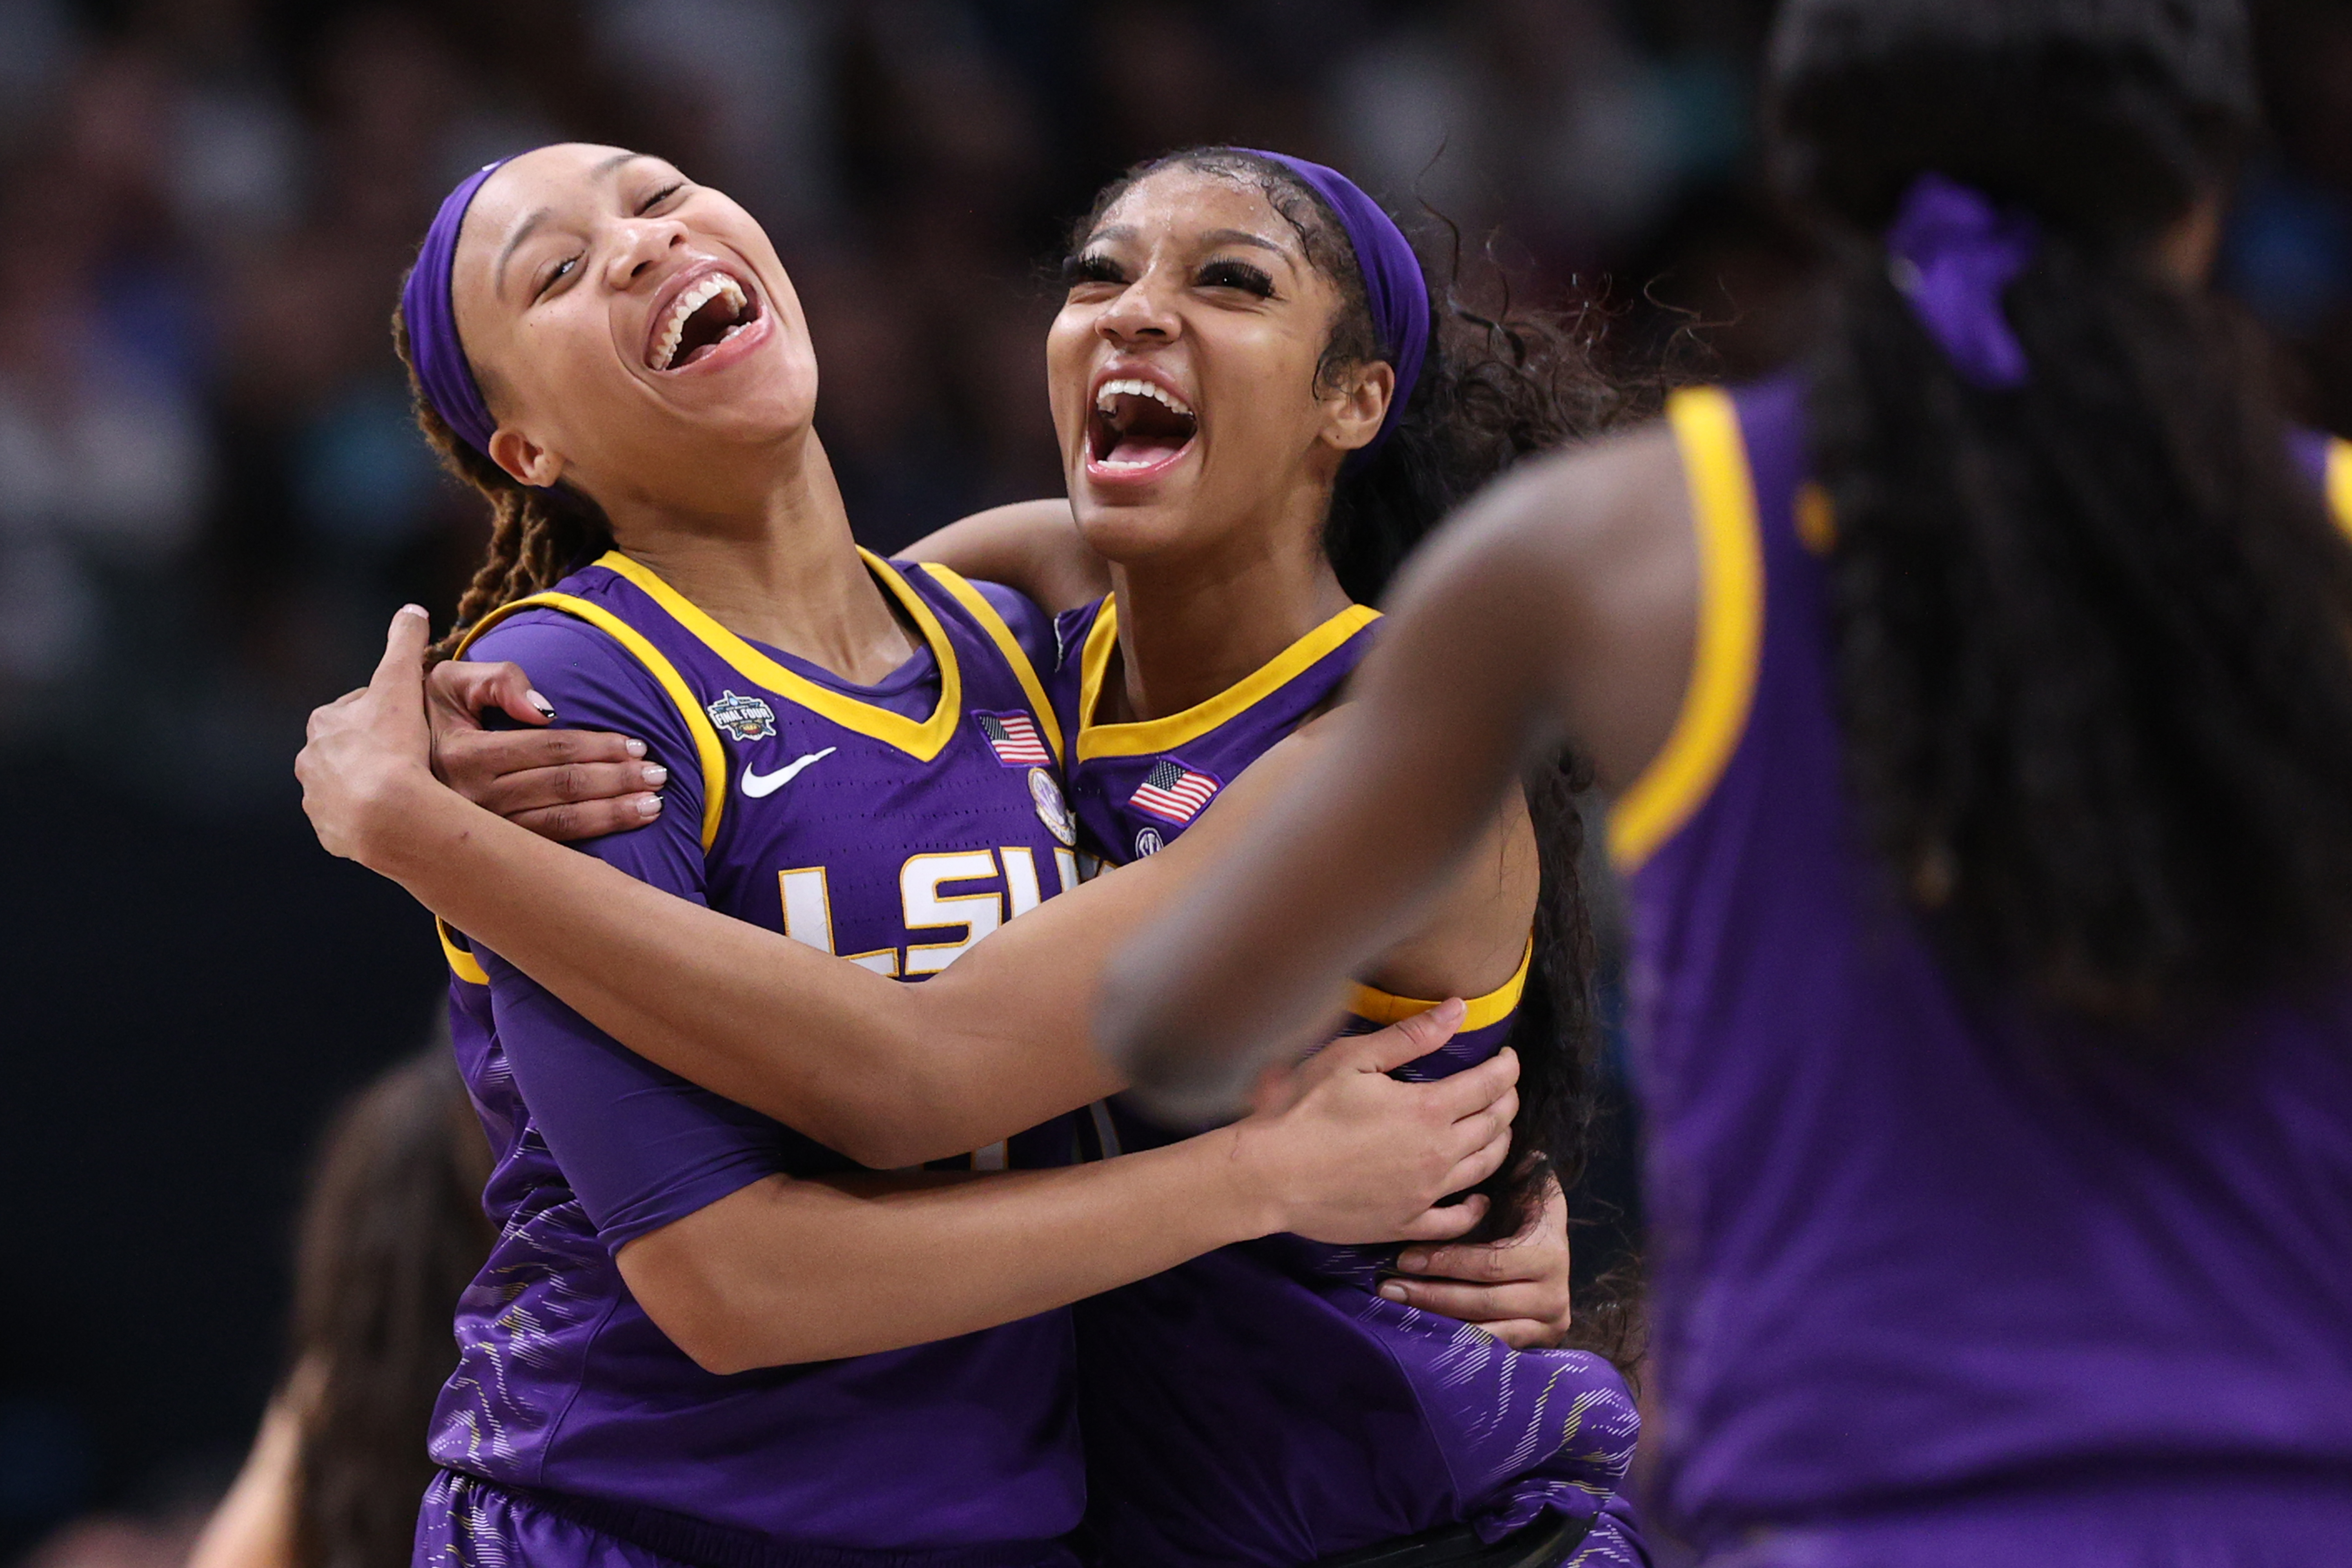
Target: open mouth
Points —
{"points": [[1137, 426], [702, 319]]}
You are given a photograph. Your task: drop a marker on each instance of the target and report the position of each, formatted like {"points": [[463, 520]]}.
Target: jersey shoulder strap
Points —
{"points": [[708, 753], [2336, 481], [983, 615], [1705, 422]]}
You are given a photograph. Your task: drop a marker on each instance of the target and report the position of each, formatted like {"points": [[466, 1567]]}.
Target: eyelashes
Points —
{"points": [[1218, 274], [1238, 275], [1098, 269], [564, 268]]}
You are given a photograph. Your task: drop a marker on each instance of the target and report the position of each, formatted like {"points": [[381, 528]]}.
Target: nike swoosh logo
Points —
{"points": [[759, 786]]}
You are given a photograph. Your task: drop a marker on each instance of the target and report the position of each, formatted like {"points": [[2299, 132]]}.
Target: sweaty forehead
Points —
{"points": [[1179, 203]]}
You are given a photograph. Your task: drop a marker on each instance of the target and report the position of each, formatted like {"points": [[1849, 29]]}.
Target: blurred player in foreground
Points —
{"points": [[1978, 703]]}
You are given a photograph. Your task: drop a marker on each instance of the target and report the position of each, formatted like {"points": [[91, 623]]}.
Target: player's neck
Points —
{"points": [[779, 567], [1190, 629]]}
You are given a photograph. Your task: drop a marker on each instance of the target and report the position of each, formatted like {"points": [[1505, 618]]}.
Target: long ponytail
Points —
{"points": [[2094, 633]]}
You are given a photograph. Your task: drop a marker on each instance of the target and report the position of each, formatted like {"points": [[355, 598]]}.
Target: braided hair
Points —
{"points": [[538, 536], [2090, 633], [1493, 389]]}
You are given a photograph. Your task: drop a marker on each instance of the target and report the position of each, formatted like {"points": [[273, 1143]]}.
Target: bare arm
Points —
{"points": [[887, 1073], [1562, 605], [1033, 546], [254, 1525], [787, 1271]]}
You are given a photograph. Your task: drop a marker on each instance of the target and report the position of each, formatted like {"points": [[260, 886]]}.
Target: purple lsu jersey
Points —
{"points": [[1917, 1298], [1262, 1405], [894, 826]]}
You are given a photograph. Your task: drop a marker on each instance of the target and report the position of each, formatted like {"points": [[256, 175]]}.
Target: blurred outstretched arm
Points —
{"points": [[1561, 606], [887, 1073]]}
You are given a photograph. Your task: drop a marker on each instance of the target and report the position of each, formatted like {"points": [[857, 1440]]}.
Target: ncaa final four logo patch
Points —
{"points": [[1052, 809], [745, 717]]}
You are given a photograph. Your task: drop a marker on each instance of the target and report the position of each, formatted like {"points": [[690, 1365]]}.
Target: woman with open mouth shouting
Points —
{"points": [[1261, 410], [706, 1337]]}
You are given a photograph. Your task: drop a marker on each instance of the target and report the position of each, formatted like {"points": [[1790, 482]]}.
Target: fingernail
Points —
{"points": [[649, 805], [1413, 1261], [416, 610], [655, 774], [541, 703], [1393, 1291], [635, 748]]}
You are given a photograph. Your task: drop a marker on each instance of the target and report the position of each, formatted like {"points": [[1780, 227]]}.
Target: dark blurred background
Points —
{"points": [[211, 496]]}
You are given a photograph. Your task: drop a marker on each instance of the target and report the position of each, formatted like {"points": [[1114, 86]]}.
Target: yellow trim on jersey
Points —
{"points": [[921, 741], [462, 964], [1144, 737], [1379, 1008], [972, 599], [2339, 482], [697, 722], [1731, 630]]}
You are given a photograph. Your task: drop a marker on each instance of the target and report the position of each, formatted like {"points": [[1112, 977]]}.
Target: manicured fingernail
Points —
{"points": [[635, 748], [1393, 1291], [649, 805], [1414, 1261], [655, 774], [541, 703], [416, 610]]}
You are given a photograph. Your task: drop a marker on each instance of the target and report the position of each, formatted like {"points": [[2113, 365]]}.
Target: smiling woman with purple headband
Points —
{"points": [[704, 1337], [1261, 410]]}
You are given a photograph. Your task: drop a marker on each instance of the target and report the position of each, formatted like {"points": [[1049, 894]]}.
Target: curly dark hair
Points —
{"points": [[538, 536], [1493, 389], [2091, 633]]}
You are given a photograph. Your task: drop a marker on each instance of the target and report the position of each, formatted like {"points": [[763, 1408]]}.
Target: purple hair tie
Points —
{"points": [[1393, 282], [1952, 253], [442, 369]]}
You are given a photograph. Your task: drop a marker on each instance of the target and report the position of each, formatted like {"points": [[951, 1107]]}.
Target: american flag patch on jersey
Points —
{"points": [[1015, 739], [1174, 793]]}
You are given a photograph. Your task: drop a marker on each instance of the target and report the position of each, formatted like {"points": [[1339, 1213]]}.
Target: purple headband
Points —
{"points": [[1952, 253], [433, 346], [1393, 282]]}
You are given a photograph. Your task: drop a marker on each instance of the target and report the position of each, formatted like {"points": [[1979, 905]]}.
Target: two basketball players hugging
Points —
{"points": [[1262, 404]]}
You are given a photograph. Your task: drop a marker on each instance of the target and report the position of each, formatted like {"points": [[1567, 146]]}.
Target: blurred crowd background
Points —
{"points": [[211, 494]]}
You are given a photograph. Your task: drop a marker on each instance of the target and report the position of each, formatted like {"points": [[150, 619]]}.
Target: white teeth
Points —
{"points": [[1133, 388], [686, 304]]}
